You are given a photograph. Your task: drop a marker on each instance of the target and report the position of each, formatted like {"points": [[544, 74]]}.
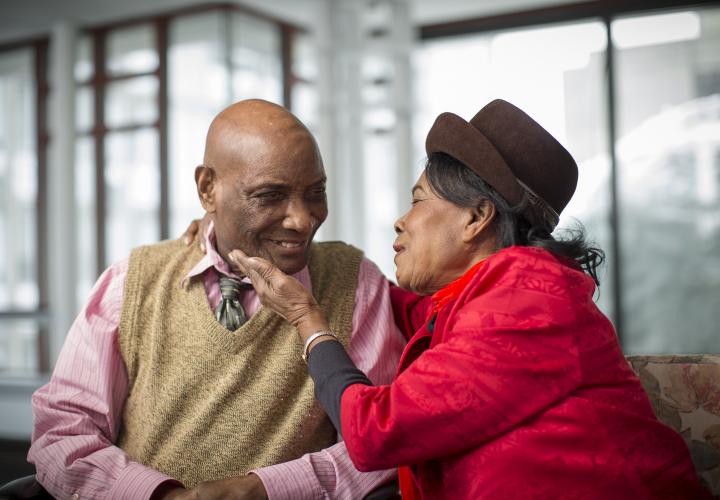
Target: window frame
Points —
{"points": [[40, 49]]}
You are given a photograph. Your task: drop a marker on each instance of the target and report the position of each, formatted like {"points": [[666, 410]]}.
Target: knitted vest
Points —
{"points": [[205, 403]]}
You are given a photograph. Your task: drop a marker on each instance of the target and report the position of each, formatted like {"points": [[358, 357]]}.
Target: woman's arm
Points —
{"points": [[492, 371], [477, 385]]}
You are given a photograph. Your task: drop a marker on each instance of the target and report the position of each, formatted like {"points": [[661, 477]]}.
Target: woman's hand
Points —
{"points": [[282, 293], [197, 229]]}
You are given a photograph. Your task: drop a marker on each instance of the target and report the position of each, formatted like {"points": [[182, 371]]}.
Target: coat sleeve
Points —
{"points": [[491, 372], [410, 310]]}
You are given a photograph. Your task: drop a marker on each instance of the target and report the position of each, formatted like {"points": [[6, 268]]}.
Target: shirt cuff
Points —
{"points": [[290, 480], [138, 482]]}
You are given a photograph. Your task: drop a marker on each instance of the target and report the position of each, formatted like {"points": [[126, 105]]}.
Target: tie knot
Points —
{"points": [[230, 287]]}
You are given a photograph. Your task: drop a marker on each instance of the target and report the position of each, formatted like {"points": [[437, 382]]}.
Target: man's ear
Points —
{"points": [[205, 179], [478, 220]]}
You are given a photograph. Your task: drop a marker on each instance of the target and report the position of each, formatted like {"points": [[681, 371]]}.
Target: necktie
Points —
{"points": [[230, 312]]}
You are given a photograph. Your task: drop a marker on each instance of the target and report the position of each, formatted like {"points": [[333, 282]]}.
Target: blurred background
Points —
{"points": [[104, 106]]}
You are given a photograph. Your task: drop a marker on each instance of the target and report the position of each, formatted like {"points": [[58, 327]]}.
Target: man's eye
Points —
{"points": [[317, 193], [270, 196]]}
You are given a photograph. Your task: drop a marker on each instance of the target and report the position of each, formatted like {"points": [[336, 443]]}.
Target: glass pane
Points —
{"points": [[380, 120], [377, 75], [380, 157], [133, 191], [131, 102], [85, 207], [131, 50], [18, 182], [304, 93], [199, 87], [84, 109], [257, 66], [556, 75], [18, 347], [84, 64], [304, 57], [305, 103], [669, 179]]}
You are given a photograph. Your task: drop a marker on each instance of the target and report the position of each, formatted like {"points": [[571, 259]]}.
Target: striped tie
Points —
{"points": [[230, 312]]}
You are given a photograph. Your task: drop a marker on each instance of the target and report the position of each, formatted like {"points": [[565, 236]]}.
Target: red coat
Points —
{"points": [[521, 391]]}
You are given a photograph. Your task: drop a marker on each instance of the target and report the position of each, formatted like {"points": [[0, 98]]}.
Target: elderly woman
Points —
{"points": [[513, 384]]}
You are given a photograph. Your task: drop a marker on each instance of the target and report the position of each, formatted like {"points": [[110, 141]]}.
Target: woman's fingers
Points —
{"points": [[282, 293], [191, 232], [255, 268], [197, 230]]}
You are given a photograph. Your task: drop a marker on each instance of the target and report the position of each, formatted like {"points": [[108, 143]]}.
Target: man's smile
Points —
{"points": [[289, 244]]}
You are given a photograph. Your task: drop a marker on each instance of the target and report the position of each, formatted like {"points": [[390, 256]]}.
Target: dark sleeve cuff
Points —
{"points": [[333, 371]]}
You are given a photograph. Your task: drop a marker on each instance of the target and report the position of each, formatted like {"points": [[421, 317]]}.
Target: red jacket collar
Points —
{"points": [[452, 290]]}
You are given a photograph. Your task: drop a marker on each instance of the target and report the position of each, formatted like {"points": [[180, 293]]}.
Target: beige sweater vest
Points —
{"points": [[205, 403]]}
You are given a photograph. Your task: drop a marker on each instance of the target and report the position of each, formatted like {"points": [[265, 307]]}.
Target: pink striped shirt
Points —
{"points": [[78, 413]]}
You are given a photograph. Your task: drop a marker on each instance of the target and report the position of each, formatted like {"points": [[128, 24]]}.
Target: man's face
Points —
{"points": [[270, 200]]}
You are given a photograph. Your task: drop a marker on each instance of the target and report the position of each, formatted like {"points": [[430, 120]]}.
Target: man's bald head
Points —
{"points": [[246, 130], [262, 182]]}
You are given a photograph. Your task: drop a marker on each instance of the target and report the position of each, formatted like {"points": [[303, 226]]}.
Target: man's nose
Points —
{"points": [[298, 217]]}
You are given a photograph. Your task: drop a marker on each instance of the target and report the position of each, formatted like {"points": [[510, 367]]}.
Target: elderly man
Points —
{"points": [[174, 377]]}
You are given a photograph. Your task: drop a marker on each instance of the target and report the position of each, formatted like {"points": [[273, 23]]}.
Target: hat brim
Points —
{"points": [[452, 135]]}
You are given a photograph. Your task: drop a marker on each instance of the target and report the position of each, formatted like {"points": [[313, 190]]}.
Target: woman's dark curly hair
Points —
{"points": [[458, 184]]}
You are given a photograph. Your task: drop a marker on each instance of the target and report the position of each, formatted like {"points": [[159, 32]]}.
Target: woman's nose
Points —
{"points": [[399, 225]]}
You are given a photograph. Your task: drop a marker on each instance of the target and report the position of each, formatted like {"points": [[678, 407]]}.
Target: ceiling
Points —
{"points": [[28, 18]]}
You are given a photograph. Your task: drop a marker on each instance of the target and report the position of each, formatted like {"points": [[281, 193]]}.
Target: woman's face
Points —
{"points": [[429, 251]]}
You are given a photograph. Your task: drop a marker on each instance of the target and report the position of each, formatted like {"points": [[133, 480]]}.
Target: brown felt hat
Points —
{"points": [[513, 154]]}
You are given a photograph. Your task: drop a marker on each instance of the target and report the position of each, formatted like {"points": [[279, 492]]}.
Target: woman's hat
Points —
{"points": [[513, 154]]}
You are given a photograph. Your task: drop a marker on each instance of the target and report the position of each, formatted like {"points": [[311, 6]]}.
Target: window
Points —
{"points": [[214, 59], [668, 132], [565, 64], [649, 190], [22, 302], [146, 91], [158, 83]]}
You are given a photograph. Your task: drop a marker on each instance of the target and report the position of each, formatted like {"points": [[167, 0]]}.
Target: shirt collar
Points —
{"points": [[212, 259]]}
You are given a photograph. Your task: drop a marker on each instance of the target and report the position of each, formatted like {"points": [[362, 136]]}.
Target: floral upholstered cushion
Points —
{"points": [[685, 393]]}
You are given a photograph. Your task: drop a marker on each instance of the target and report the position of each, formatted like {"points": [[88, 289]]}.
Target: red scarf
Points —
{"points": [[450, 292]]}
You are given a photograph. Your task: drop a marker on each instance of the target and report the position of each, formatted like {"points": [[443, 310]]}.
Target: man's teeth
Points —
{"points": [[287, 244]]}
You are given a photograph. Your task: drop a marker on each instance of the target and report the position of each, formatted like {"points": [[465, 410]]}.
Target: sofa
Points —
{"points": [[684, 391]]}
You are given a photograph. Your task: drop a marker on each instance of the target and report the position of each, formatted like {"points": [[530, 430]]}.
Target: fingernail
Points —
{"points": [[187, 240]]}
